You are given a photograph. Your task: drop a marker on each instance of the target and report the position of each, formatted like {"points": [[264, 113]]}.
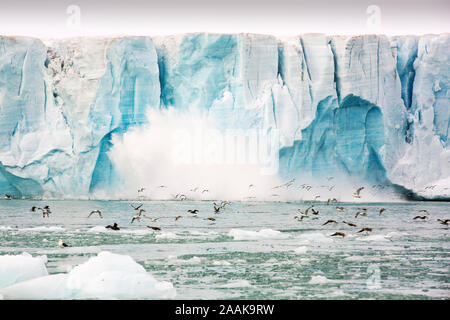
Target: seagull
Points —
{"points": [[338, 234], [301, 215], [193, 211], [316, 197], [316, 212], [211, 219], [95, 211], [382, 210], [205, 190], [217, 209], [7, 196], [162, 186], [141, 190], [251, 186], [420, 217], [113, 227], [365, 229], [356, 194], [360, 213], [61, 244], [340, 209], [151, 219], [424, 211], [330, 221], [350, 224], [138, 218], [331, 200], [444, 222], [178, 217], [194, 189], [154, 228], [136, 208], [306, 211], [140, 212], [33, 209], [46, 211]]}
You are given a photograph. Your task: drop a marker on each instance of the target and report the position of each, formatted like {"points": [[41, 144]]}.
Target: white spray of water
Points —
{"points": [[183, 152]]}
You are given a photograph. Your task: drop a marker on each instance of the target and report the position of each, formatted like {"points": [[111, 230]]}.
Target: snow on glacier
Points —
{"points": [[368, 109]]}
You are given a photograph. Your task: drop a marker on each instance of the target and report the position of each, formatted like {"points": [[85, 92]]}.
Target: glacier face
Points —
{"points": [[371, 109]]}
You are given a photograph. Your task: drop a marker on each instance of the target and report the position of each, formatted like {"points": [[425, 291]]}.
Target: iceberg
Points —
{"points": [[105, 276], [367, 109]]}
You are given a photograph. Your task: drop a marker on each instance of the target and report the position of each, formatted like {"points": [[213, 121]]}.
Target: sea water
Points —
{"points": [[253, 250]]}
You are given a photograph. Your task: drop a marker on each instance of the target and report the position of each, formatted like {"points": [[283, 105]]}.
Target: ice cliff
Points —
{"points": [[372, 108]]}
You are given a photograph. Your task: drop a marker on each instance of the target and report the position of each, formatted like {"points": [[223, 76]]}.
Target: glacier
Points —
{"points": [[368, 109]]}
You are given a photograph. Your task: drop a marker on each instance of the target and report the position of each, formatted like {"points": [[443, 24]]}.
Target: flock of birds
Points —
{"points": [[361, 212], [139, 212]]}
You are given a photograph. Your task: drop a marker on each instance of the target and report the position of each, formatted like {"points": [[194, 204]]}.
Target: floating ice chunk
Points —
{"points": [[318, 280], [17, 268], [301, 250], [239, 234], [166, 235], [106, 276], [240, 283], [314, 237]]}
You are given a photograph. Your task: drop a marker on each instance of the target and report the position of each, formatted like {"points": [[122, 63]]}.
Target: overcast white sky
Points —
{"points": [[47, 18]]}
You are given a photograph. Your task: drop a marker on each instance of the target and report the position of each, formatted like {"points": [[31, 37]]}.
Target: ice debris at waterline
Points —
{"points": [[369, 109], [106, 276]]}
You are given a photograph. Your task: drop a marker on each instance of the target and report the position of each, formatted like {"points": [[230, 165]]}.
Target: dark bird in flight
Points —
{"points": [[136, 208], [382, 210], [178, 217], [349, 223], [420, 217], [330, 221], [154, 228], [338, 234], [444, 222], [193, 211], [365, 229]]}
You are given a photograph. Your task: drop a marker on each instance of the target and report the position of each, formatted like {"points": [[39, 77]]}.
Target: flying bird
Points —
{"points": [[360, 213], [154, 228], [315, 212], [330, 221], [420, 217], [331, 200], [195, 211], [138, 218], [365, 229], [444, 222], [338, 234], [95, 211], [382, 210], [7, 196], [211, 219], [340, 209], [356, 194], [178, 217], [349, 223], [136, 208]]}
